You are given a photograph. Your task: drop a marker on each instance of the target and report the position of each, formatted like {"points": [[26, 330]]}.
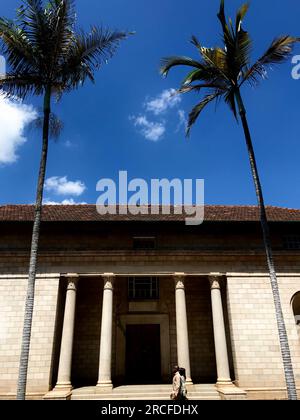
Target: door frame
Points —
{"points": [[135, 319]]}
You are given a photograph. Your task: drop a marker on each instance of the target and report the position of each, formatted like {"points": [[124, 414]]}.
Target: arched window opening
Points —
{"points": [[296, 309]]}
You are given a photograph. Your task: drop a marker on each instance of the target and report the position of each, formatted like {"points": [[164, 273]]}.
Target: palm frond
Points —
{"points": [[88, 52], [61, 17], [32, 16], [238, 44], [240, 16], [22, 84], [208, 74], [216, 59], [168, 63], [229, 98], [55, 125], [278, 52], [16, 47], [228, 35], [243, 50], [196, 111], [197, 88]]}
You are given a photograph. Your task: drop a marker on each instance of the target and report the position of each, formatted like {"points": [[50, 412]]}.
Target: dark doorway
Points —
{"points": [[143, 364]]}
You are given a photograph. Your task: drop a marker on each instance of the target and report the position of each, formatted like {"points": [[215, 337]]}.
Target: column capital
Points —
{"points": [[109, 280], [72, 282], [215, 282], [179, 279]]}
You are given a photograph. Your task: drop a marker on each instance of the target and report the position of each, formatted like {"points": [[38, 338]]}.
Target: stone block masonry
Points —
{"points": [[12, 300]]}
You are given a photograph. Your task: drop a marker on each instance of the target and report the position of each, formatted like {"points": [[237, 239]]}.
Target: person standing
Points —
{"points": [[182, 390], [179, 386]]}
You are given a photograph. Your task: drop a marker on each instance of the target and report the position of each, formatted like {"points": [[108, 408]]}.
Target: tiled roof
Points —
{"points": [[88, 213]]}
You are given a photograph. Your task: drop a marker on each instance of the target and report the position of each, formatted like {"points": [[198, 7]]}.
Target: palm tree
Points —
{"points": [[223, 71], [48, 56]]}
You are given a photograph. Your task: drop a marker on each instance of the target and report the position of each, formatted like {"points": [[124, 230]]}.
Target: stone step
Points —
{"points": [[88, 398], [140, 398], [146, 393], [191, 392], [141, 394]]}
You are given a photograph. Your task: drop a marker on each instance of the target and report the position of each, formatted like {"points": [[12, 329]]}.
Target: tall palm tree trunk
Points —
{"points": [[284, 344], [22, 379]]}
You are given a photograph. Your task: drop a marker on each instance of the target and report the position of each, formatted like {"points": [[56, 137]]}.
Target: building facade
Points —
{"points": [[121, 299]]}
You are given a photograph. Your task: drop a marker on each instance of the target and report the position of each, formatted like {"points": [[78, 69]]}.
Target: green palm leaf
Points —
{"points": [[278, 52], [226, 69], [196, 111], [168, 63], [87, 53], [240, 16], [16, 47]]}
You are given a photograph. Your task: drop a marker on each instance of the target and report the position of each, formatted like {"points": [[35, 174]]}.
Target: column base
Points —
{"points": [[104, 386], [231, 392], [63, 386], [59, 394], [224, 383]]}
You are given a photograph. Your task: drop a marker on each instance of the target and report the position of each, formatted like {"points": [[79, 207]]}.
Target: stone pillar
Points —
{"points": [[104, 378], [183, 351], [222, 361], [66, 348]]}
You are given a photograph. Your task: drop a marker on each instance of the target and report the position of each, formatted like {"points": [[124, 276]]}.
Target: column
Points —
{"points": [[66, 348], [222, 361], [104, 378], [183, 351]]}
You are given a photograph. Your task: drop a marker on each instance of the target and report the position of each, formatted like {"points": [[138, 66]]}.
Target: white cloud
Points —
{"points": [[182, 120], [152, 131], [14, 117], [69, 144], [168, 99], [153, 122], [68, 202], [61, 186]]}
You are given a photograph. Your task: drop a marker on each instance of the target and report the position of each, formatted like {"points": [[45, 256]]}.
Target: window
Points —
{"points": [[144, 243], [143, 288], [292, 242]]}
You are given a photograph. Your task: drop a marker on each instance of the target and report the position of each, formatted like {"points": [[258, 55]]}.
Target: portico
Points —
{"points": [[173, 312]]}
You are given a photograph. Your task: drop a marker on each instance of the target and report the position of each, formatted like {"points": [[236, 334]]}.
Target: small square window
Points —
{"points": [[292, 242], [143, 288]]}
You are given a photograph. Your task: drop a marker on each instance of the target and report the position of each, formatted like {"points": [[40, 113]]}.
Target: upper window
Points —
{"points": [[292, 242], [143, 288], [144, 242]]}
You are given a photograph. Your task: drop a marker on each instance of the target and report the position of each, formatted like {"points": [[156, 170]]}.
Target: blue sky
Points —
{"points": [[127, 121]]}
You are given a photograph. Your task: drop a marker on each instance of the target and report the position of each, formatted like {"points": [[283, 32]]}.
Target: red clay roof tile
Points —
{"points": [[88, 213]]}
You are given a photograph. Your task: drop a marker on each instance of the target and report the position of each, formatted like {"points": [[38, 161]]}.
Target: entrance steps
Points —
{"points": [[144, 392]]}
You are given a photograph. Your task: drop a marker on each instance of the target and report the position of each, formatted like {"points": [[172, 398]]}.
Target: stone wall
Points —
{"points": [[12, 299], [255, 342]]}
